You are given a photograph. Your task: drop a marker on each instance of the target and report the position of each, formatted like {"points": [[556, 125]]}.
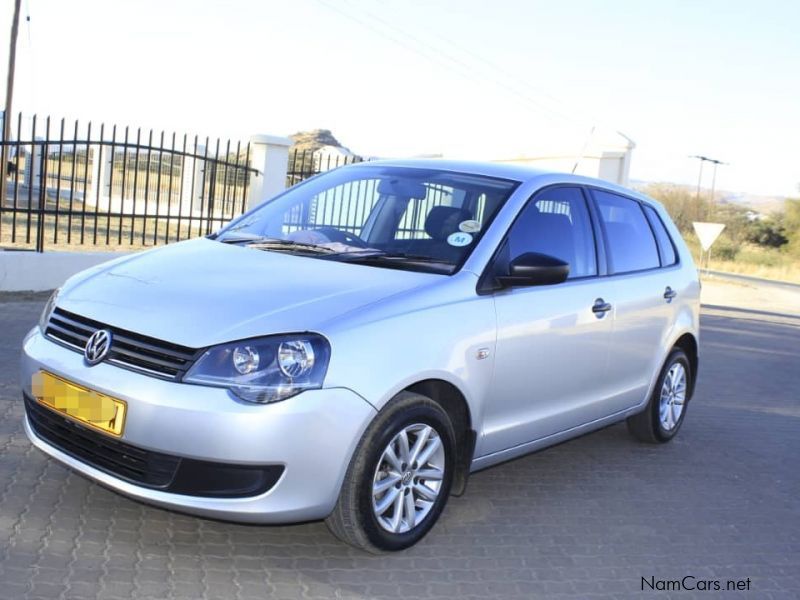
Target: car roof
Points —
{"points": [[489, 169], [521, 173]]}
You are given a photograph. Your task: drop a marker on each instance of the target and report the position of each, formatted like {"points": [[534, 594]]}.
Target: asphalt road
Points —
{"points": [[587, 519]]}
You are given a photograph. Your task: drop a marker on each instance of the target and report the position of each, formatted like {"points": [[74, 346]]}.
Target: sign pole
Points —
{"points": [[707, 233]]}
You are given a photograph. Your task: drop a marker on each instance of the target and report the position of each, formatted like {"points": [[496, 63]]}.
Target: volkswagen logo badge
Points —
{"points": [[97, 346]]}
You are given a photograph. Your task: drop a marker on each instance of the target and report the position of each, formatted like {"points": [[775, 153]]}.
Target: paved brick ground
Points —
{"points": [[587, 519]]}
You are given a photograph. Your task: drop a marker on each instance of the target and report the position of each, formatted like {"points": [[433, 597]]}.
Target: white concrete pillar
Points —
{"points": [[269, 154], [33, 165], [625, 166], [192, 184], [98, 188]]}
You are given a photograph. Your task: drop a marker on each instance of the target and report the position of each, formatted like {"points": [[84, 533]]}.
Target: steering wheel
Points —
{"points": [[344, 237]]}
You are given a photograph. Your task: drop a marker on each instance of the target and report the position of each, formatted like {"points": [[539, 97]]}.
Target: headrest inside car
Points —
{"points": [[444, 220]]}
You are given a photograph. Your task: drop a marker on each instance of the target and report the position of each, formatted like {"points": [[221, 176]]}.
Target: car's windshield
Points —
{"points": [[401, 217]]}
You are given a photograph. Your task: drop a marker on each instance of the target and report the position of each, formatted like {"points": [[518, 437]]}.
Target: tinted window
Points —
{"points": [[665, 247], [631, 246], [556, 222]]}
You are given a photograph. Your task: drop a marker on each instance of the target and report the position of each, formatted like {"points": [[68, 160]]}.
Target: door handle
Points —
{"points": [[600, 308], [669, 294]]}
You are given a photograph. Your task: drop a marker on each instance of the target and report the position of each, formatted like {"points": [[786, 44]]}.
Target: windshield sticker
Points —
{"points": [[459, 239], [469, 226]]}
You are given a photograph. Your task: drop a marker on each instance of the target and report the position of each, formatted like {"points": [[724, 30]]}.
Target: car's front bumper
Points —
{"points": [[312, 435]]}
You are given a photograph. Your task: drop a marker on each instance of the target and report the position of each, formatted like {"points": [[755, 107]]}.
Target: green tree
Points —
{"points": [[791, 225], [681, 204], [767, 232]]}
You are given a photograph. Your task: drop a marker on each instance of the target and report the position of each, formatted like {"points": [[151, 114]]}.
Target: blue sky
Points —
{"points": [[469, 78]]}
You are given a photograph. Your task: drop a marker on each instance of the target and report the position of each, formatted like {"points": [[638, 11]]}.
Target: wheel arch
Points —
{"points": [[688, 343], [454, 403]]}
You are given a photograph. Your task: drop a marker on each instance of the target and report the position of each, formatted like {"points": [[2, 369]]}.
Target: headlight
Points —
{"points": [[296, 358], [48, 310], [265, 369]]}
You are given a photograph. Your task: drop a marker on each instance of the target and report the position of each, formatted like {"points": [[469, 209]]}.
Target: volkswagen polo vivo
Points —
{"points": [[353, 348]]}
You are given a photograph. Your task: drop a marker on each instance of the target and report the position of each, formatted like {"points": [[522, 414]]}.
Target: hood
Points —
{"points": [[201, 292]]}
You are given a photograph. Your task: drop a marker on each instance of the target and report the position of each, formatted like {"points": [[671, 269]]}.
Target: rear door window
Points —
{"points": [[631, 244]]}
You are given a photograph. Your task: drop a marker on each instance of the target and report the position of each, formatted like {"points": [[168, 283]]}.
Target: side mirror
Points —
{"points": [[533, 268]]}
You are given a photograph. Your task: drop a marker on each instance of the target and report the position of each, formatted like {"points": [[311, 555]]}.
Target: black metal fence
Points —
{"points": [[111, 186], [347, 206], [306, 163]]}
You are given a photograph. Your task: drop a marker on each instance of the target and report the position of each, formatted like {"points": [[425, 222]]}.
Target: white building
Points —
{"points": [[330, 157]]}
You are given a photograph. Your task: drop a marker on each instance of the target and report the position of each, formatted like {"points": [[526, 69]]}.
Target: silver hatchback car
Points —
{"points": [[355, 347]]}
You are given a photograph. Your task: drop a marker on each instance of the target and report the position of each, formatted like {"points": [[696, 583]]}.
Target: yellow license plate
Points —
{"points": [[81, 404]]}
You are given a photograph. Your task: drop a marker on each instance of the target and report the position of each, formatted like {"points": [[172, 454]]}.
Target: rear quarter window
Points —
{"points": [[666, 248]]}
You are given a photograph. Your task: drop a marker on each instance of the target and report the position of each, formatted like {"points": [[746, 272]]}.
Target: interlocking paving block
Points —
{"points": [[586, 519]]}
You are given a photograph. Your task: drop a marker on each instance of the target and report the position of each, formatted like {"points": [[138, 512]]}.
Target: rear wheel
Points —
{"points": [[665, 412], [399, 478]]}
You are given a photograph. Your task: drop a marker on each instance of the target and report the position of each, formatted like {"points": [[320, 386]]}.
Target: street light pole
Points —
{"points": [[12, 59]]}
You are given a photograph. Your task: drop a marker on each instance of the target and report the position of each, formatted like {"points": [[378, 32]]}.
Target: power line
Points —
{"points": [[437, 55], [494, 68]]}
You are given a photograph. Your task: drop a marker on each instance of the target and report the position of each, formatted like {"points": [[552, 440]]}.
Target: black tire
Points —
{"points": [[646, 425], [353, 520]]}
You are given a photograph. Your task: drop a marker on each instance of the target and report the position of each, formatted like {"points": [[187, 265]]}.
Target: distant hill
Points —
{"points": [[762, 204], [756, 202], [314, 140]]}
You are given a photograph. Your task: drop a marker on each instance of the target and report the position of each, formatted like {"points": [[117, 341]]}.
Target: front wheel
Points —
{"points": [[665, 412], [399, 477]]}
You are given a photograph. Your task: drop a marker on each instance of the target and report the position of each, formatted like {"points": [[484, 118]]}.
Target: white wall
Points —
{"points": [[607, 158], [613, 166], [33, 271]]}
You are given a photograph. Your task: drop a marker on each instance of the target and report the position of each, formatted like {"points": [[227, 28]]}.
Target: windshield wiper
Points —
{"points": [[245, 237], [270, 243], [379, 255]]}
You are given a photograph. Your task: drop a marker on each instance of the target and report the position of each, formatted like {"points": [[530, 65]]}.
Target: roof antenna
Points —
{"points": [[583, 150]]}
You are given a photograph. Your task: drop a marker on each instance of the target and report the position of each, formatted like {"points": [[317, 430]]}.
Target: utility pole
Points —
{"points": [[715, 162], [12, 60], [714, 180], [699, 178]]}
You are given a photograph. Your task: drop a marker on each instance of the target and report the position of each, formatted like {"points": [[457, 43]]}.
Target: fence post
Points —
{"points": [[269, 154], [98, 189]]}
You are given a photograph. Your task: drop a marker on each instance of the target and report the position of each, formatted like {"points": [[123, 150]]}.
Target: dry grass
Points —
{"points": [[100, 232], [748, 259], [82, 227], [777, 272]]}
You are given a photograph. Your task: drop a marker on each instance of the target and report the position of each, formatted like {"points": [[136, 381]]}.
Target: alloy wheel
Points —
{"points": [[673, 397], [408, 478]]}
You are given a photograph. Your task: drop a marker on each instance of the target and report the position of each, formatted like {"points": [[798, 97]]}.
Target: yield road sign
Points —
{"points": [[708, 233]]}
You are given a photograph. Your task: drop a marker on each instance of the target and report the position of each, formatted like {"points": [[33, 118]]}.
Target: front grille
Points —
{"points": [[168, 473], [143, 467], [128, 349]]}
